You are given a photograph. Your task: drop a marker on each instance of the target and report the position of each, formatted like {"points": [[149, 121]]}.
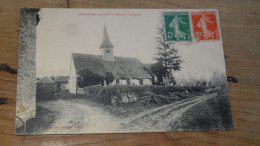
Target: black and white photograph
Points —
{"points": [[114, 71]]}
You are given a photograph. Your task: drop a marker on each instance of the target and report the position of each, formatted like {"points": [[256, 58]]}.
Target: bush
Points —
{"points": [[109, 77], [88, 78], [143, 94]]}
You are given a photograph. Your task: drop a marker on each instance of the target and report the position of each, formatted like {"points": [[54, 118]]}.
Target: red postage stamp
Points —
{"points": [[205, 25]]}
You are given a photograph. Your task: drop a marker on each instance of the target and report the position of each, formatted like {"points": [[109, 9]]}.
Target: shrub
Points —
{"points": [[144, 94], [88, 78], [109, 77]]}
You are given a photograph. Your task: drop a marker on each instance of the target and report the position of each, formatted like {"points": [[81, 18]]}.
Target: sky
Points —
{"points": [[61, 32]]}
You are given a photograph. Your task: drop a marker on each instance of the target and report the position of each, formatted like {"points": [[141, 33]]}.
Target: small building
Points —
{"points": [[61, 84], [45, 88], [126, 70]]}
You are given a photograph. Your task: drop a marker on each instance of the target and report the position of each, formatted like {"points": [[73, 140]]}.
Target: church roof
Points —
{"points": [[106, 42], [121, 68]]}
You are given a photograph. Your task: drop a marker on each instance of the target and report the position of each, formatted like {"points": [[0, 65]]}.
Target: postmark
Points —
{"points": [[205, 25], [177, 26]]}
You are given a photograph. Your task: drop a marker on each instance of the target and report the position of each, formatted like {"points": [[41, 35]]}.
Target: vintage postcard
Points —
{"points": [[120, 71]]}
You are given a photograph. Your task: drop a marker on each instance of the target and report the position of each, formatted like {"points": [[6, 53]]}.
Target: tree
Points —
{"points": [[172, 80], [159, 71], [109, 77], [167, 54], [87, 78]]}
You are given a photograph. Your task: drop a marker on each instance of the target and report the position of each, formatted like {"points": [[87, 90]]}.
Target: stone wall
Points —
{"points": [[26, 79]]}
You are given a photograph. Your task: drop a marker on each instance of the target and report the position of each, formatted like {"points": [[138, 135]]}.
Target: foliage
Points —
{"points": [[215, 113], [87, 78], [172, 80], [167, 54], [109, 77], [153, 93], [158, 70], [216, 78]]}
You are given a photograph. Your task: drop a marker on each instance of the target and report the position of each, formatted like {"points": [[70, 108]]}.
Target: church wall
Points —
{"points": [[113, 83], [72, 85], [132, 82], [147, 82], [135, 82], [122, 82], [155, 79]]}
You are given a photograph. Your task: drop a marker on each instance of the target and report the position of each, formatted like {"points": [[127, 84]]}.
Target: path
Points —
{"points": [[163, 118], [81, 118]]}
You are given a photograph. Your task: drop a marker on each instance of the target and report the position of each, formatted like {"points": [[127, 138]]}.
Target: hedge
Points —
{"points": [[146, 93]]}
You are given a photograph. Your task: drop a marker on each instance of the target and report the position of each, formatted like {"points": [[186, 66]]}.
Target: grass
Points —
{"points": [[209, 114]]}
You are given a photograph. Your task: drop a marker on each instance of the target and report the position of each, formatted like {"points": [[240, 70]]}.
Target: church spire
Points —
{"points": [[106, 47], [106, 42]]}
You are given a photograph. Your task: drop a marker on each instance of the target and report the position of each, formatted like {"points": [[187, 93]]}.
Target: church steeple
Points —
{"points": [[106, 42], [107, 47]]}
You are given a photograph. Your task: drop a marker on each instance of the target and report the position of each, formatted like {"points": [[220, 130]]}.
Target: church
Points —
{"points": [[126, 70]]}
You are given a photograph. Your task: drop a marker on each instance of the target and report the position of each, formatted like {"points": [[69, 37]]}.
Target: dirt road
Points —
{"points": [[164, 118], [81, 118]]}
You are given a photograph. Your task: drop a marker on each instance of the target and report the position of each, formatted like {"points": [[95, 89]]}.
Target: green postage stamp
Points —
{"points": [[177, 26]]}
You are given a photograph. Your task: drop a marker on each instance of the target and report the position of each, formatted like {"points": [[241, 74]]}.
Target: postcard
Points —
{"points": [[120, 71]]}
